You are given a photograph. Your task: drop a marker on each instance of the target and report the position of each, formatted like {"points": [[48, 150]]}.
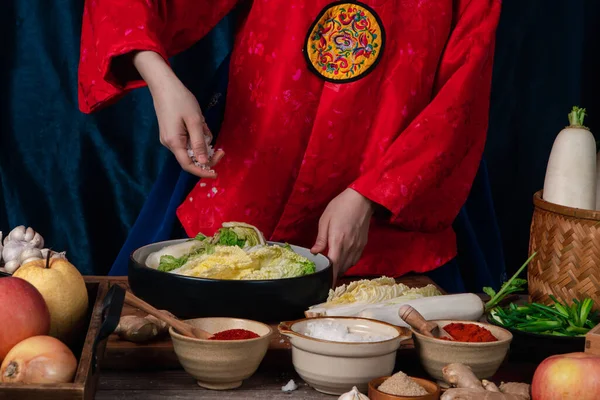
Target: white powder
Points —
{"points": [[290, 386], [336, 332]]}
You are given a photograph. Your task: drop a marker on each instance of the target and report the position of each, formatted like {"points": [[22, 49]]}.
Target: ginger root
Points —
{"points": [[491, 386], [471, 394], [461, 376], [468, 387], [519, 389], [141, 329]]}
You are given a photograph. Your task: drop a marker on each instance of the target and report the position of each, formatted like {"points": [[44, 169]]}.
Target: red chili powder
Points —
{"points": [[469, 333], [234, 334]]}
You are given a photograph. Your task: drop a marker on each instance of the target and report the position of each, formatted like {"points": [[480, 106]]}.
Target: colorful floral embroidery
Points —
{"points": [[345, 42]]}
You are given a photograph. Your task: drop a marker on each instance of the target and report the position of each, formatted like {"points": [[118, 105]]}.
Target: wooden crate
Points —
{"points": [[592, 341], [104, 304]]}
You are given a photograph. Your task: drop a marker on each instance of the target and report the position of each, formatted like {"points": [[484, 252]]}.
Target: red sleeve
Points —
{"points": [[425, 176], [112, 28]]}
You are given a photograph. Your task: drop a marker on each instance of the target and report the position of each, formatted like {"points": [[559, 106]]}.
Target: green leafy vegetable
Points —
{"points": [[513, 285], [200, 237], [280, 262], [556, 319], [237, 234], [169, 263], [227, 237]]}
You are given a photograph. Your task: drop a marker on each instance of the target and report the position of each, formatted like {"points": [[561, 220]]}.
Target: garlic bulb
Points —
{"points": [[354, 394], [21, 245], [27, 235]]}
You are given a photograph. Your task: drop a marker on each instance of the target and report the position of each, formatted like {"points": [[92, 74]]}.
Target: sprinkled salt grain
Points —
{"points": [[336, 332], [290, 386], [214, 190], [401, 384], [202, 184]]}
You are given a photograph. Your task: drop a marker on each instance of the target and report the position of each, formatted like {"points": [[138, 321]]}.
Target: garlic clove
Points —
{"points": [[30, 254], [354, 394], [1, 247], [29, 234], [12, 266], [16, 234], [12, 250], [37, 241]]}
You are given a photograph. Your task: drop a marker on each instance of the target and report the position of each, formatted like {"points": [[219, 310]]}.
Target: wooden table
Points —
{"points": [[148, 372]]}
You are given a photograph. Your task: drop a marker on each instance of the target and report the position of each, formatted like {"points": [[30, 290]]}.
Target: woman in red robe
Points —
{"points": [[344, 121]]}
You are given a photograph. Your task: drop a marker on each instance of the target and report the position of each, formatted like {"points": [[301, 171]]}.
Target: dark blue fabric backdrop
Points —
{"points": [[100, 185]]}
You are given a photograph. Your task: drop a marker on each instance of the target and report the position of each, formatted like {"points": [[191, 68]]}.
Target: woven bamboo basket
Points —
{"points": [[567, 242]]}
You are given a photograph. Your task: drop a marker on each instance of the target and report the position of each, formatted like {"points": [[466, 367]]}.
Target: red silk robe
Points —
{"points": [[387, 97]]}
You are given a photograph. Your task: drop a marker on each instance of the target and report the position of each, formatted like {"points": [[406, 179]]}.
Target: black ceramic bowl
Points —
{"points": [[536, 347], [266, 300]]}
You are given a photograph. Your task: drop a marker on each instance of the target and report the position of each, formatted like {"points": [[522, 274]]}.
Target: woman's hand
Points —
{"points": [[344, 229], [180, 119]]}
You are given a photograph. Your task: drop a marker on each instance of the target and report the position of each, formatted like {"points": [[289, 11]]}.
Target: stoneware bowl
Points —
{"points": [[335, 367], [222, 364], [483, 358], [431, 387]]}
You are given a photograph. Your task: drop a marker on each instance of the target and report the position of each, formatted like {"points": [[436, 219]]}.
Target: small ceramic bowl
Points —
{"points": [[483, 358], [432, 389], [335, 367], [221, 364]]}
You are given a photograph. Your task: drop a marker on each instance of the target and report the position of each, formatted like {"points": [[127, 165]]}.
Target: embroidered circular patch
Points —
{"points": [[345, 42]]}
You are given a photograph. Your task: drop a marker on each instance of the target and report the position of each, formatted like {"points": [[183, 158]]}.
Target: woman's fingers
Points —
{"points": [[188, 164], [195, 127], [321, 242]]}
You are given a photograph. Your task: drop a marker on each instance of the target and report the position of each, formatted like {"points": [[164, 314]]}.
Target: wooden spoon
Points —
{"points": [[414, 318], [183, 327]]}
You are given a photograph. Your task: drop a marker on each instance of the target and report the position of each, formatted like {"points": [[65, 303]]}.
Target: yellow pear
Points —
{"points": [[64, 291]]}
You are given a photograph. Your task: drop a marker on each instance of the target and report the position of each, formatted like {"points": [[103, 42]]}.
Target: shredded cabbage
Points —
{"points": [[347, 299], [237, 251]]}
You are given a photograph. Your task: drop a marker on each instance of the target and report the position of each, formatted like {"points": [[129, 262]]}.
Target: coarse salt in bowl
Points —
{"points": [[339, 332], [333, 354]]}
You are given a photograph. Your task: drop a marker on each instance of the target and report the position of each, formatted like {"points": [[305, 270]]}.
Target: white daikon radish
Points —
{"points": [[176, 250], [465, 307], [571, 171], [597, 183]]}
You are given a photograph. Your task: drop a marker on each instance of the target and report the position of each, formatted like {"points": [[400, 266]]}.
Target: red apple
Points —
{"points": [[573, 376], [23, 313]]}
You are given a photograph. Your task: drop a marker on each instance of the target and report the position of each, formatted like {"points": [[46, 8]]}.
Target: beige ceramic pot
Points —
{"points": [[335, 367], [222, 364], [483, 358]]}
